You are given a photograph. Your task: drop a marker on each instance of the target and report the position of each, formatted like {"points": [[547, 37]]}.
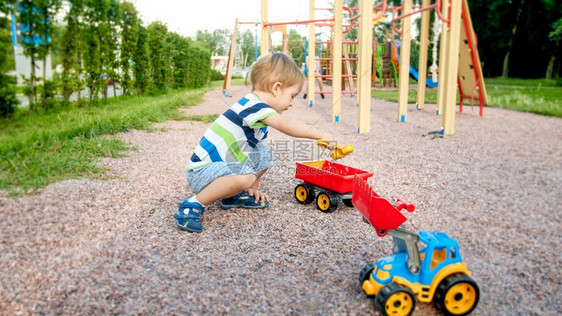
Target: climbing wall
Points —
{"points": [[471, 80]]}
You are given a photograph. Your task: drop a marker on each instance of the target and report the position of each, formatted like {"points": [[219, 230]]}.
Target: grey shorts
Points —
{"points": [[258, 160]]}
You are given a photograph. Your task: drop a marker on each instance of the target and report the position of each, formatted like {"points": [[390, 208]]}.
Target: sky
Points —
{"points": [[185, 17]]}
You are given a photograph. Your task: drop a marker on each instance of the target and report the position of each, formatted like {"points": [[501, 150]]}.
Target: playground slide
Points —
{"points": [[428, 82], [413, 72]]}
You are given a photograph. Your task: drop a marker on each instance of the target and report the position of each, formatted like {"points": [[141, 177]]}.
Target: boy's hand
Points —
{"points": [[258, 195]]}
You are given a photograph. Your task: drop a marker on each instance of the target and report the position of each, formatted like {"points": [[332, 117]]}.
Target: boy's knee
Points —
{"points": [[247, 180], [251, 179]]}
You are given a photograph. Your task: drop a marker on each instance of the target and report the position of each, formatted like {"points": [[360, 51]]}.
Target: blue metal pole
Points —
{"points": [[257, 42], [14, 38]]}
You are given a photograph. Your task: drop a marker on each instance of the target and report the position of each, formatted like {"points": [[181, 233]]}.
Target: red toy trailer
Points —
{"points": [[332, 180], [376, 210]]}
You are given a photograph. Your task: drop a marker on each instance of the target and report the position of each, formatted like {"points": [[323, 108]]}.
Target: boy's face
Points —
{"points": [[283, 97]]}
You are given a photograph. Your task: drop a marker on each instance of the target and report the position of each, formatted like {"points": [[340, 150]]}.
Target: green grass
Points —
{"points": [[39, 149], [206, 118], [538, 96], [514, 82], [392, 95], [234, 82]]}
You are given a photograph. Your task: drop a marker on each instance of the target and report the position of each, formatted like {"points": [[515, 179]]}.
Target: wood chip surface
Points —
{"points": [[110, 246]]}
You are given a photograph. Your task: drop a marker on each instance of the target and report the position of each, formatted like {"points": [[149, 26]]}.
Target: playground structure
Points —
{"points": [[459, 63]]}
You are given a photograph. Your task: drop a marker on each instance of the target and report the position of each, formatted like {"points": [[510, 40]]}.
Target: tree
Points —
{"points": [[93, 18], [130, 25], [48, 10], [247, 51], [156, 55], [141, 62], [206, 38], [510, 41], [199, 66], [555, 36], [109, 47], [170, 51], [179, 47], [221, 41], [525, 53], [37, 18], [100, 46], [8, 100], [72, 50], [532, 49], [217, 42], [295, 45], [30, 20]]}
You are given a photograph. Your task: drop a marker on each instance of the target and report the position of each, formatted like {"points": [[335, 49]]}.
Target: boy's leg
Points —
{"points": [[253, 190], [248, 198], [224, 187], [190, 210], [225, 182], [258, 162]]}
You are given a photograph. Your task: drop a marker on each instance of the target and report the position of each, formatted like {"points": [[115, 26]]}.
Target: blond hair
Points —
{"points": [[275, 67]]}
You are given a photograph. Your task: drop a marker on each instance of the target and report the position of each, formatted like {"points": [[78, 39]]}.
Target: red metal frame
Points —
{"points": [[473, 48]]}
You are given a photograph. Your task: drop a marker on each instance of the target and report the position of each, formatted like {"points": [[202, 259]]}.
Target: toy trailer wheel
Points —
{"points": [[327, 202], [394, 299], [304, 193], [457, 294]]}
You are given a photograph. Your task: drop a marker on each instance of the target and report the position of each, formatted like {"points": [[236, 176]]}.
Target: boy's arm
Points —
{"points": [[292, 128]]}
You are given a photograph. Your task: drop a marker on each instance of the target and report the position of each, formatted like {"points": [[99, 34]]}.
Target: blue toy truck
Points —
{"points": [[435, 272]]}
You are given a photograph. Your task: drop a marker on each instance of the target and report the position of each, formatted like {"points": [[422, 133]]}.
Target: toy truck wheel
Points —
{"points": [[304, 193], [327, 202], [347, 202], [457, 294], [366, 273], [394, 299]]}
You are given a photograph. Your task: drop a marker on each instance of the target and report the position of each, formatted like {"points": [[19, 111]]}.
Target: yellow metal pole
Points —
{"points": [[359, 56], [424, 43], [441, 91], [311, 55], [404, 71], [264, 40], [366, 50], [337, 62], [451, 74], [231, 53]]}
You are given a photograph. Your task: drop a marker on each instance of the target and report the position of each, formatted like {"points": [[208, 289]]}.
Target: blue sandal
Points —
{"points": [[243, 200], [188, 216]]}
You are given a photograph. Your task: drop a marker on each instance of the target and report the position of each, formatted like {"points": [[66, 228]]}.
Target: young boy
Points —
{"points": [[232, 156]]}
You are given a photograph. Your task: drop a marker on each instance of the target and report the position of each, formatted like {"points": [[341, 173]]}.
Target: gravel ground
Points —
{"points": [[110, 246]]}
